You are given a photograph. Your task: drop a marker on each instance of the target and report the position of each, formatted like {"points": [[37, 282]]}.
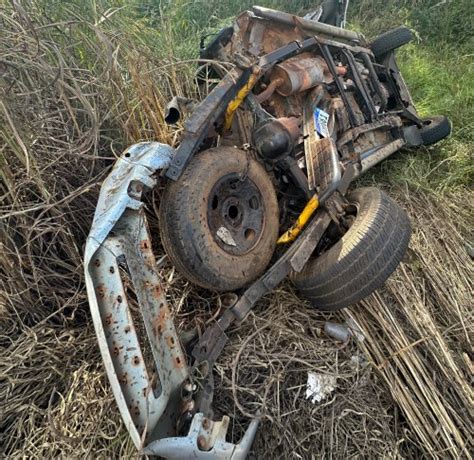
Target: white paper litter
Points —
{"points": [[319, 386]]}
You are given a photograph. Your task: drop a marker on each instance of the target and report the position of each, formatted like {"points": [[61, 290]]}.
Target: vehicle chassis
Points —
{"points": [[173, 418]]}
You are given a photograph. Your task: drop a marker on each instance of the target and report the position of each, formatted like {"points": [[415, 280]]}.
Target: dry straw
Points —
{"points": [[72, 95]]}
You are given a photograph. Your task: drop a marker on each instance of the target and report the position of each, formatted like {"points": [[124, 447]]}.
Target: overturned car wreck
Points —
{"points": [[262, 174]]}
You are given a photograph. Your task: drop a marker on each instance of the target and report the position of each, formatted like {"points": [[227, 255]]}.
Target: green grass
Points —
{"points": [[441, 82], [438, 67]]}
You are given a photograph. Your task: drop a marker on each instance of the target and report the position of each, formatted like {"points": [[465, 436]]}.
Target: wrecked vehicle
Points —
{"points": [[262, 174]]}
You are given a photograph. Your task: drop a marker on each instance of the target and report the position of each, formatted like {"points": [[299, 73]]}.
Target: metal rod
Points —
{"points": [[374, 157], [339, 83], [306, 24], [360, 85], [375, 80]]}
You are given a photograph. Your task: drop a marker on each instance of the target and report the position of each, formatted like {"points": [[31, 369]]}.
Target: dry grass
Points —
{"points": [[419, 328], [69, 102]]}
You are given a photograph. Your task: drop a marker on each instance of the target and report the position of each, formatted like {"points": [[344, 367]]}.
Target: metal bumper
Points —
{"points": [[122, 286]]}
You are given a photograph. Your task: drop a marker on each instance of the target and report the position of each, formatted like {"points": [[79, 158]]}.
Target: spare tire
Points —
{"points": [[329, 14], [219, 221], [391, 40], [434, 129], [363, 259]]}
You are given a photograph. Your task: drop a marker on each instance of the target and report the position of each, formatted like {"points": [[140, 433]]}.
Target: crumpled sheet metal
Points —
{"points": [[119, 243], [137, 164], [119, 238]]}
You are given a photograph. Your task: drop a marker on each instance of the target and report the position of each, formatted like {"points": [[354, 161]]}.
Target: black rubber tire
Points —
{"points": [[184, 228], [329, 15], [363, 259], [434, 129], [391, 40]]}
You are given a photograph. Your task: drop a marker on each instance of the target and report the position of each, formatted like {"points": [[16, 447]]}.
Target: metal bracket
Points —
{"points": [[118, 260], [206, 440]]}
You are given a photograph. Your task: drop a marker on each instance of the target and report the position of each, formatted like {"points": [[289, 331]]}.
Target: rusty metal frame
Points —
{"points": [[215, 104], [119, 242], [309, 26]]}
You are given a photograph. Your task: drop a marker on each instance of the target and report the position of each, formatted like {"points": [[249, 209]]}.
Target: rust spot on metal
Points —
{"points": [[157, 328], [159, 323], [206, 424], [144, 244], [135, 187], [135, 360], [97, 262], [127, 329], [108, 319], [202, 443], [116, 351], [187, 406], [170, 341], [100, 289], [178, 362], [136, 411], [124, 379]]}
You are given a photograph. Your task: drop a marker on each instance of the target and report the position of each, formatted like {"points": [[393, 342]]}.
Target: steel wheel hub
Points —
{"points": [[236, 214]]}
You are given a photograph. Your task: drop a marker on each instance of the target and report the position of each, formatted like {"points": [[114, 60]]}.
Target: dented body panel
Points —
{"points": [[151, 399], [119, 241]]}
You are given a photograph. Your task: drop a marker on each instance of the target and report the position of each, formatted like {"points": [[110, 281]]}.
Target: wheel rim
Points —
{"points": [[336, 231], [236, 214]]}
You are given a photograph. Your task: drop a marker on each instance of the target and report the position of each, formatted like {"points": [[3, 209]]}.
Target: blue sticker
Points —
{"points": [[321, 119]]}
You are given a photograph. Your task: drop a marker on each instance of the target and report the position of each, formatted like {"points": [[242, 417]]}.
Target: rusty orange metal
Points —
{"points": [[298, 75], [101, 290]]}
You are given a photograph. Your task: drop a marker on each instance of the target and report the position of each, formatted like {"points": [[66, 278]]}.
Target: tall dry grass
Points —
{"points": [[419, 328], [74, 91]]}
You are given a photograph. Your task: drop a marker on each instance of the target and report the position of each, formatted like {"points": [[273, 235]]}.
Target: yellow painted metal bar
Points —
{"points": [[291, 234], [235, 103]]}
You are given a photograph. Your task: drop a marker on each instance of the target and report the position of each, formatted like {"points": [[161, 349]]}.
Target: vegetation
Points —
{"points": [[81, 80]]}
